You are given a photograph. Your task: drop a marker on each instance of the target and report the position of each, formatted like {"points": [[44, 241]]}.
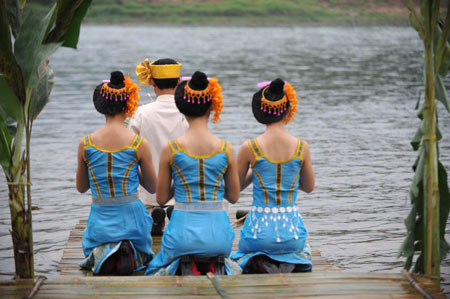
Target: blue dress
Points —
{"points": [[274, 227], [199, 225], [116, 212]]}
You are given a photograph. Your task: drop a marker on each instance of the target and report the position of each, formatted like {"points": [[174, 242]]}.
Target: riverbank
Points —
{"points": [[254, 12]]}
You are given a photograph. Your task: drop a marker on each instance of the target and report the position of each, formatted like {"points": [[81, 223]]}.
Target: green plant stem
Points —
{"points": [[431, 200], [28, 157]]}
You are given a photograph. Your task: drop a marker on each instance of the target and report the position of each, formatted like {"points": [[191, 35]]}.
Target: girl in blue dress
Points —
{"points": [[273, 236], [112, 162], [198, 163]]}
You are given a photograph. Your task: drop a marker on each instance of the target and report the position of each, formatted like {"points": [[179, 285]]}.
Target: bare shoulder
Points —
{"points": [[245, 151], [81, 144], [305, 143]]}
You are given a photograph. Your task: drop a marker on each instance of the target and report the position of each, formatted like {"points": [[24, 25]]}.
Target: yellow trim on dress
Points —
{"points": [[94, 180], [217, 185], [111, 151], [181, 149], [291, 188], [226, 151], [126, 175], [109, 174], [201, 180], [184, 182], [261, 183], [274, 161], [255, 150], [278, 183], [175, 149], [136, 147], [301, 150]]}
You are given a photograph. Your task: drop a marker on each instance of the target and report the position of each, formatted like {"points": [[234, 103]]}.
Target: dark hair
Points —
{"points": [[199, 81], [169, 83], [273, 93], [110, 106]]}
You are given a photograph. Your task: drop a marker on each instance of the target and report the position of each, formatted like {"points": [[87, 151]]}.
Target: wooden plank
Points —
{"points": [[73, 252], [301, 285]]}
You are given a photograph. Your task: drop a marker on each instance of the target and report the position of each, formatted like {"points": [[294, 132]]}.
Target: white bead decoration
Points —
{"points": [[285, 217]]}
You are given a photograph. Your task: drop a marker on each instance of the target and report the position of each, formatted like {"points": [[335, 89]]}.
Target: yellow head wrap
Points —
{"points": [[146, 71]]}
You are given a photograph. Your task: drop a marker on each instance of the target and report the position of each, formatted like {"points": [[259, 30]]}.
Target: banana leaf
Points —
{"points": [[14, 16], [28, 48], [8, 64], [69, 15], [9, 102], [5, 143], [41, 94]]}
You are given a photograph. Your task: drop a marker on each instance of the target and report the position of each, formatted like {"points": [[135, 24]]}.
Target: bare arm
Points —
{"points": [[164, 189], [82, 179], [245, 157], [232, 178], [147, 175], [307, 173]]}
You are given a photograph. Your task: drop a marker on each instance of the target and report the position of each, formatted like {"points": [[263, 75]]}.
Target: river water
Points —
{"points": [[358, 89]]}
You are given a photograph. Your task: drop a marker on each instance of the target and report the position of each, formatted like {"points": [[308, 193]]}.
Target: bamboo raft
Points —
{"points": [[326, 281]]}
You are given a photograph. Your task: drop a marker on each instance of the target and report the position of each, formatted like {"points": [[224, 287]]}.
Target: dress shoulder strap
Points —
{"points": [[300, 149], [137, 141], [87, 140], [175, 147], [225, 147], [255, 148]]}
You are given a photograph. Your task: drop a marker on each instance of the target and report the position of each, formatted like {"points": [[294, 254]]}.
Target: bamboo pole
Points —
{"points": [[431, 194]]}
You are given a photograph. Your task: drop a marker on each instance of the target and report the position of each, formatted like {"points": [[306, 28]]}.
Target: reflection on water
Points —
{"points": [[358, 89]]}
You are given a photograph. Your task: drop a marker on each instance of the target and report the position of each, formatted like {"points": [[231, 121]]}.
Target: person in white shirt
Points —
{"points": [[158, 122]]}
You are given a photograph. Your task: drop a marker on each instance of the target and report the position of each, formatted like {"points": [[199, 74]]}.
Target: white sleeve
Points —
{"points": [[135, 123]]}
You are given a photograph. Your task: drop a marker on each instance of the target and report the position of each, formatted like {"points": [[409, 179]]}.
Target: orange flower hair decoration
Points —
{"points": [[212, 92], [217, 99], [290, 93], [133, 96]]}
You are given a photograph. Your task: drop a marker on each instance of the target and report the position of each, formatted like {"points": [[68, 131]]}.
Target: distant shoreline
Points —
{"points": [[239, 13], [234, 23]]}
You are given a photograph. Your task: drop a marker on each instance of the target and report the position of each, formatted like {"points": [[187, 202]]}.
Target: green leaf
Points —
{"points": [[415, 142], [418, 267], [443, 249], [441, 93], [444, 197], [5, 144], [418, 176], [69, 15], [8, 64], [415, 22], [14, 16], [407, 247], [41, 94], [418, 101], [438, 134], [445, 65], [408, 263], [418, 246], [29, 50], [9, 102], [410, 221]]}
